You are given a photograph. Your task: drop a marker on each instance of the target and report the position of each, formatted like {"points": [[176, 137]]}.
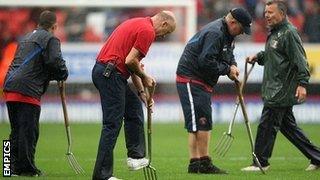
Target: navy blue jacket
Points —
{"points": [[37, 60], [209, 53]]}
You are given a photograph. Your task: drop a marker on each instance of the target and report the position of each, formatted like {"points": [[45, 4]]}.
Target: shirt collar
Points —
{"points": [[150, 20], [225, 29], [279, 25]]}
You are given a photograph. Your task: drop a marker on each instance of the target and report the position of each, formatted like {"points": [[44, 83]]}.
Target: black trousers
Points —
{"points": [[274, 119], [118, 102], [24, 121]]}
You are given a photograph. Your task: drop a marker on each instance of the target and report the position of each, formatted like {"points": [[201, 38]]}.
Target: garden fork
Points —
{"points": [[149, 172], [247, 123], [70, 157], [227, 138]]}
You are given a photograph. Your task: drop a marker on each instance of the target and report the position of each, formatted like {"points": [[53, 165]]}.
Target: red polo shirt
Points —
{"points": [[137, 32]]}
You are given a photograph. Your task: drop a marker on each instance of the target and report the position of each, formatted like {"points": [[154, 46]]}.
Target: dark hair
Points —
{"points": [[281, 4], [47, 19]]}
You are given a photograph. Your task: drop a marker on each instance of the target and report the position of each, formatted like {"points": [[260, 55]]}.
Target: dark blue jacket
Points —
{"points": [[208, 54], [37, 61]]}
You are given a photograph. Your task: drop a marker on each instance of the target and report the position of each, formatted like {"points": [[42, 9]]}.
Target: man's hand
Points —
{"points": [[144, 98], [252, 59], [148, 81], [301, 94], [150, 106], [234, 72]]}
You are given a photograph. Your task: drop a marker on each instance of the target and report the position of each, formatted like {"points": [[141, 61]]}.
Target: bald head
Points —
{"points": [[164, 23], [166, 15]]}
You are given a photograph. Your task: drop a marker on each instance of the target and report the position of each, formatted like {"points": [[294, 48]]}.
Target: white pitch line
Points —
{"points": [[238, 158], [243, 158]]}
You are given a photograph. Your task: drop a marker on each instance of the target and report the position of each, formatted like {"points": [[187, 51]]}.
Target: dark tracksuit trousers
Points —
{"points": [[118, 102], [24, 121], [282, 118]]}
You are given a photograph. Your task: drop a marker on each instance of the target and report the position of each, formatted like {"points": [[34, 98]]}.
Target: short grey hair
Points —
{"points": [[281, 4]]}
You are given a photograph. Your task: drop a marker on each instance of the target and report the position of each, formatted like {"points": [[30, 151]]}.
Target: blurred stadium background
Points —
{"points": [[85, 25]]}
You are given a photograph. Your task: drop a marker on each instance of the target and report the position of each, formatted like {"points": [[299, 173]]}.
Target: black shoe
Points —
{"points": [[194, 166], [15, 174], [206, 167], [35, 173], [15, 171]]}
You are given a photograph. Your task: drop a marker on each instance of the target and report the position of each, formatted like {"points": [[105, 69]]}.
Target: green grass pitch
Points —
{"points": [[170, 153]]}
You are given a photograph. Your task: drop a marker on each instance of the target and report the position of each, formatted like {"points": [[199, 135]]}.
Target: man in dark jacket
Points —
{"points": [[37, 61], [208, 55], [285, 78]]}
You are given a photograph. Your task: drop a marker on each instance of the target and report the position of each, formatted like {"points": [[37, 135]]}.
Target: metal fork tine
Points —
{"points": [[220, 150], [226, 149], [221, 144], [71, 164], [220, 153], [218, 145], [144, 173], [216, 149], [77, 165], [147, 170], [227, 146], [79, 168], [147, 174], [150, 173], [75, 168], [74, 163], [154, 174], [224, 144]]}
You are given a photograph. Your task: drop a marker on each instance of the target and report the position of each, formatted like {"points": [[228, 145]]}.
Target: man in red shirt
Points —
{"points": [[118, 60]]}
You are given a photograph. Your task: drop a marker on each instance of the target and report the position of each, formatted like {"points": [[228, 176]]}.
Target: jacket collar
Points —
{"points": [[225, 29], [279, 25]]}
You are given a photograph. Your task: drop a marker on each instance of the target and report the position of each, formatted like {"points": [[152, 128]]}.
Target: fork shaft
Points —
{"points": [[234, 117]]}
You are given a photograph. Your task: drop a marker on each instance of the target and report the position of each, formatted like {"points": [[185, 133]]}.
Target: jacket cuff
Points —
{"points": [[303, 84], [227, 71], [234, 63], [260, 57]]}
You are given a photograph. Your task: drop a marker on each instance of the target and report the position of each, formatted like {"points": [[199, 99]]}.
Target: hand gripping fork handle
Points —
{"points": [[70, 157], [149, 171], [247, 123], [227, 138]]}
